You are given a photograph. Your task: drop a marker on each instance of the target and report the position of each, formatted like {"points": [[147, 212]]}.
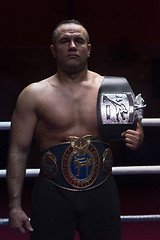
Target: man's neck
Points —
{"points": [[72, 78]]}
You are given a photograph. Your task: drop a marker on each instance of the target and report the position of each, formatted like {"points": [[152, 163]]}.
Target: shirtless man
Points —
{"points": [[50, 111]]}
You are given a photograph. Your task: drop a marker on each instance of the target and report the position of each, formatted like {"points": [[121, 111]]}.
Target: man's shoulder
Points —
{"points": [[96, 76], [38, 87]]}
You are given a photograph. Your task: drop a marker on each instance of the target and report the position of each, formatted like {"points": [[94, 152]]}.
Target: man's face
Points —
{"points": [[71, 48]]}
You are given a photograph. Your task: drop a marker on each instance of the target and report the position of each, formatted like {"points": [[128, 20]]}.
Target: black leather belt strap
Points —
{"points": [[113, 85]]}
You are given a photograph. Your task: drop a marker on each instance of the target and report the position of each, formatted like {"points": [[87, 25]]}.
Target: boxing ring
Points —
{"points": [[127, 170]]}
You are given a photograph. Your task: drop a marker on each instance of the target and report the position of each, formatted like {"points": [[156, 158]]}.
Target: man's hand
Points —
{"points": [[19, 221], [133, 139]]}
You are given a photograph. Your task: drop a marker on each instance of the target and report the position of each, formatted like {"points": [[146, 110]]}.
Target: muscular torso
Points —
{"points": [[65, 111]]}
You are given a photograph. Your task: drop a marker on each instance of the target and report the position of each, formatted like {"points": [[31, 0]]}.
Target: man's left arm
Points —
{"points": [[134, 138]]}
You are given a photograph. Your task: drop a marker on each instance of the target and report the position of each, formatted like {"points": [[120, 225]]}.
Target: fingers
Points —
{"points": [[28, 226], [21, 227], [123, 134], [132, 139], [19, 222]]}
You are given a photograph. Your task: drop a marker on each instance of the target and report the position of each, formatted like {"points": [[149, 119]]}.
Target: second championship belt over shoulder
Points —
{"points": [[117, 107]]}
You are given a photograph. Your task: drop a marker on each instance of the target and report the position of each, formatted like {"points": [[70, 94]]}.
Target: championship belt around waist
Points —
{"points": [[81, 164], [117, 108]]}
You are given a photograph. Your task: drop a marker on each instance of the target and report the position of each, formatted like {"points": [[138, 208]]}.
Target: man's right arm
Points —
{"points": [[22, 129]]}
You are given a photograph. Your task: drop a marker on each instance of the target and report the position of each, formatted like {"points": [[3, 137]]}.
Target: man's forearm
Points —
{"points": [[18, 220], [15, 177]]}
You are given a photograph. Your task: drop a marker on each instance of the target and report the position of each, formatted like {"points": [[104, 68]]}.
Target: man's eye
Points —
{"points": [[64, 40], [79, 40]]}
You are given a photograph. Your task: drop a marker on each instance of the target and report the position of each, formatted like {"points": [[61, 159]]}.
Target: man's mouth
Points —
{"points": [[72, 55]]}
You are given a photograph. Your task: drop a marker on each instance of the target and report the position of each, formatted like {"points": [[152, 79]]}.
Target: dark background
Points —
{"points": [[125, 38]]}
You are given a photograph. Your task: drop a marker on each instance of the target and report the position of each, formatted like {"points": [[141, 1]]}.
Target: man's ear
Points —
{"points": [[89, 49], [52, 48]]}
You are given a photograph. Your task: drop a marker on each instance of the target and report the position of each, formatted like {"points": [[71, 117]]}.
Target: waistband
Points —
{"points": [[79, 165]]}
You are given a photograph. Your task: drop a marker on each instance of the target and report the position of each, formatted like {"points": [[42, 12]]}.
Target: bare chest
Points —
{"points": [[68, 113]]}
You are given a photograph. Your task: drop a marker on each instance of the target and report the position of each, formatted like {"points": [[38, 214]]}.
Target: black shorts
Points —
{"points": [[57, 213]]}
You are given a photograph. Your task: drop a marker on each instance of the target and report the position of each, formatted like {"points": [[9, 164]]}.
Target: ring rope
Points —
{"points": [[5, 125], [124, 218], [151, 122], [147, 122], [140, 218], [133, 170]]}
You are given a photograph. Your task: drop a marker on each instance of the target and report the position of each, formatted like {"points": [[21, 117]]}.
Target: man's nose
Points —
{"points": [[72, 45]]}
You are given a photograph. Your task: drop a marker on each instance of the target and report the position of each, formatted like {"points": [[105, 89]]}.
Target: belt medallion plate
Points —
{"points": [[49, 165], [80, 163]]}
